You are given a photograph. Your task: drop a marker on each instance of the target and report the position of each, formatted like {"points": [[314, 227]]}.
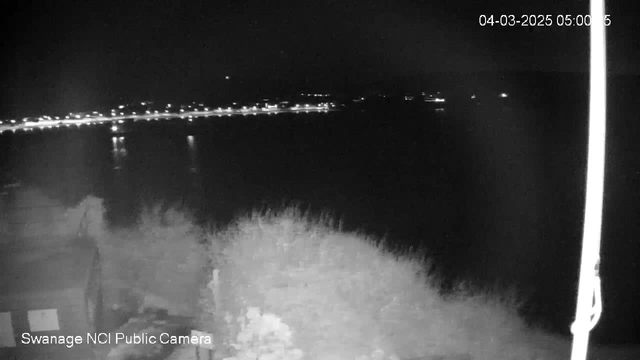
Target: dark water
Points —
{"points": [[495, 192]]}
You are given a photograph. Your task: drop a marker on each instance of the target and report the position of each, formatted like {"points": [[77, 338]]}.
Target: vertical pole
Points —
{"points": [[589, 305]]}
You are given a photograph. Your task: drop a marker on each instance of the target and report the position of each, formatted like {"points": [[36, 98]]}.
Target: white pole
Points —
{"points": [[589, 304]]}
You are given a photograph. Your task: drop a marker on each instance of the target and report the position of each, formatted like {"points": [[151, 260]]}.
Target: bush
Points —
{"points": [[88, 216], [344, 296], [162, 260], [263, 337]]}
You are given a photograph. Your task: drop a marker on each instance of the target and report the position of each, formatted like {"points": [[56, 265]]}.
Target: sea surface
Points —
{"points": [[493, 188]]}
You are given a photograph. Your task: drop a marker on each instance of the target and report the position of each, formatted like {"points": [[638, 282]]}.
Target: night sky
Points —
{"points": [[63, 56]]}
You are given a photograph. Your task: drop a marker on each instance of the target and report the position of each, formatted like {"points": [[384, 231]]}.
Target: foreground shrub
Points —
{"points": [[263, 337], [88, 217], [344, 296]]}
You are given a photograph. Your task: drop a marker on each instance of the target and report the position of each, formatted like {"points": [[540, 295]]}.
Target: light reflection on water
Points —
{"points": [[193, 165], [119, 151]]}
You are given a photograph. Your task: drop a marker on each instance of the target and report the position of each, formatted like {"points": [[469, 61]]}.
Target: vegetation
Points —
{"points": [[285, 285], [344, 296], [159, 263]]}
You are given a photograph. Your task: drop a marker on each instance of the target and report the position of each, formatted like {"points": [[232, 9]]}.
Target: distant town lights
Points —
{"points": [[89, 118]]}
